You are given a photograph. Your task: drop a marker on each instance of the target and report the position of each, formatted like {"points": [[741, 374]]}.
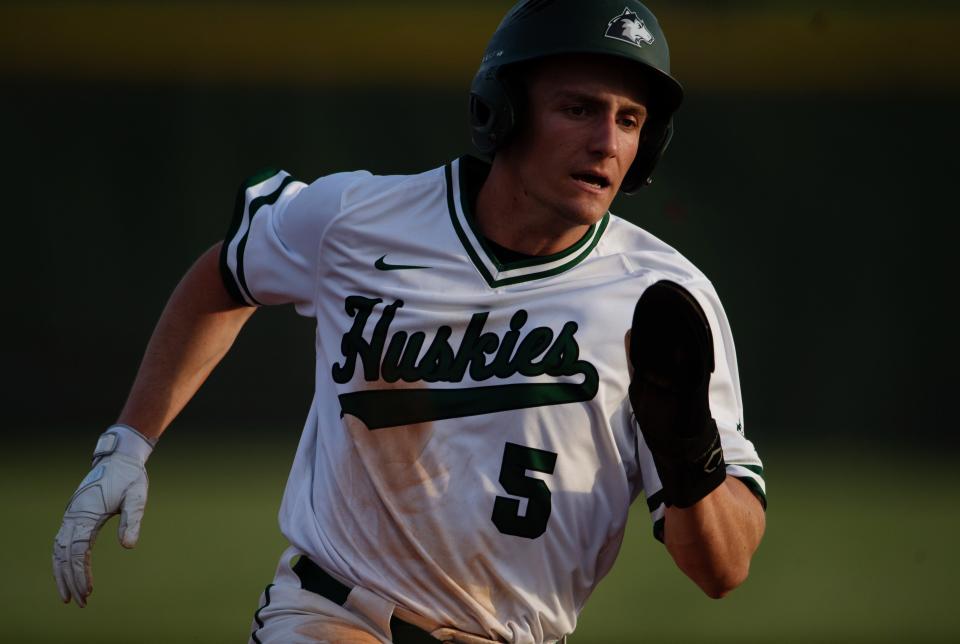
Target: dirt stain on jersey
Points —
{"points": [[482, 594], [396, 478], [336, 633], [398, 462]]}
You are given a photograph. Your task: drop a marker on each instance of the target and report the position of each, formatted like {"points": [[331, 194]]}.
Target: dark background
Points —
{"points": [[824, 214]]}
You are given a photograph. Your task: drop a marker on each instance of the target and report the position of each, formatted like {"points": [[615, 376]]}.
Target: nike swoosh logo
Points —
{"points": [[381, 265]]}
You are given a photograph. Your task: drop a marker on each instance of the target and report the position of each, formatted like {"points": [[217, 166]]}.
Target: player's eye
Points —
{"points": [[576, 110]]}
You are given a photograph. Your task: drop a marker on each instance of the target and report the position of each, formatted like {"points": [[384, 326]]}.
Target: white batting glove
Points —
{"points": [[117, 484]]}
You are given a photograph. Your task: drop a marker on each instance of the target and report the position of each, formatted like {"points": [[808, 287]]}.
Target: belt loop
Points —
{"points": [[373, 608]]}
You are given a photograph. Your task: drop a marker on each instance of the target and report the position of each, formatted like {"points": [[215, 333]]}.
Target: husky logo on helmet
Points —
{"points": [[629, 28]]}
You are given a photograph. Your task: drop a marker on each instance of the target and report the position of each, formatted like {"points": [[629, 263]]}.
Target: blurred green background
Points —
{"points": [[812, 177]]}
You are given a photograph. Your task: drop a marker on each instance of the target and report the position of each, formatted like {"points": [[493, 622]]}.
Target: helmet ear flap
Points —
{"points": [[492, 114], [481, 124], [652, 146]]}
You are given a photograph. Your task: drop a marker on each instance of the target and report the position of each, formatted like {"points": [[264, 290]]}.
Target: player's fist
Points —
{"points": [[117, 484]]}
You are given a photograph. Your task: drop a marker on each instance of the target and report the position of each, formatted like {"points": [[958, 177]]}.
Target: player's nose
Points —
{"points": [[604, 137]]}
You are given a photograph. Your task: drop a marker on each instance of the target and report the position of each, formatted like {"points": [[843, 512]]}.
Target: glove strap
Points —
{"points": [[123, 439], [690, 468]]}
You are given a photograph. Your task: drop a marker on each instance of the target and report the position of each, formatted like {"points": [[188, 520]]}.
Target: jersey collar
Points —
{"points": [[461, 195]]}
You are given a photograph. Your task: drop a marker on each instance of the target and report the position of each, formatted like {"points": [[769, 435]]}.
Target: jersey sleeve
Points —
{"points": [[726, 407], [271, 253]]}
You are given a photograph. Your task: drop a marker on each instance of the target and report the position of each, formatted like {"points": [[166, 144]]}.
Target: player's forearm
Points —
{"points": [[196, 329], [713, 541]]}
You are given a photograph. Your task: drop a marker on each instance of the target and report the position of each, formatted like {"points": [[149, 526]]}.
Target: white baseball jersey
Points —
{"points": [[470, 452]]}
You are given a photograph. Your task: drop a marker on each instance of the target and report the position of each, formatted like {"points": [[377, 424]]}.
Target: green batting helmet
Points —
{"points": [[535, 29]]}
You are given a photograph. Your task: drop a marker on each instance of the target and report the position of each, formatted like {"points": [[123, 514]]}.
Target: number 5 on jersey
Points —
{"points": [[517, 459]]}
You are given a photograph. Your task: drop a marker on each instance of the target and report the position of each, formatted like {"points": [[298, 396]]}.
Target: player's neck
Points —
{"points": [[508, 215]]}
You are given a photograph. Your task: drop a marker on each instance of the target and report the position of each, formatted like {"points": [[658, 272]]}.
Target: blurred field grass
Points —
{"points": [[859, 547]]}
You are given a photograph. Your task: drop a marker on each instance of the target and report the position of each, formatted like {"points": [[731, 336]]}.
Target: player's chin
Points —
{"points": [[588, 209]]}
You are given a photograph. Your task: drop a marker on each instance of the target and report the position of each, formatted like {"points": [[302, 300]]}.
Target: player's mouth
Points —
{"points": [[591, 182]]}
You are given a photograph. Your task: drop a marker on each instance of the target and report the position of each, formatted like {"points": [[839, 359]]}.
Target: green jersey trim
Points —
{"points": [[244, 213], [752, 477], [749, 475], [493, 271]]}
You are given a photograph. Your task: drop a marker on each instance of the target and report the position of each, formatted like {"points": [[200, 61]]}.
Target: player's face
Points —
{"points": [[584, 117]]}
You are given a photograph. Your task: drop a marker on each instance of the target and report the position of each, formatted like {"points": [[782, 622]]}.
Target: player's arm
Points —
{"points": [[273, 244], [196, 329], [198, 325], [269, 256], [712, 523], [713, 541]]}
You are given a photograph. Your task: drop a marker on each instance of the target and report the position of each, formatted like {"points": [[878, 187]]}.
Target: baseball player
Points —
{"points": [[502, 367]]}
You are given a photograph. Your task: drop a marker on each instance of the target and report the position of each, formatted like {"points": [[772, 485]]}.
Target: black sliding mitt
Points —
{"points": [[671, 351]]}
